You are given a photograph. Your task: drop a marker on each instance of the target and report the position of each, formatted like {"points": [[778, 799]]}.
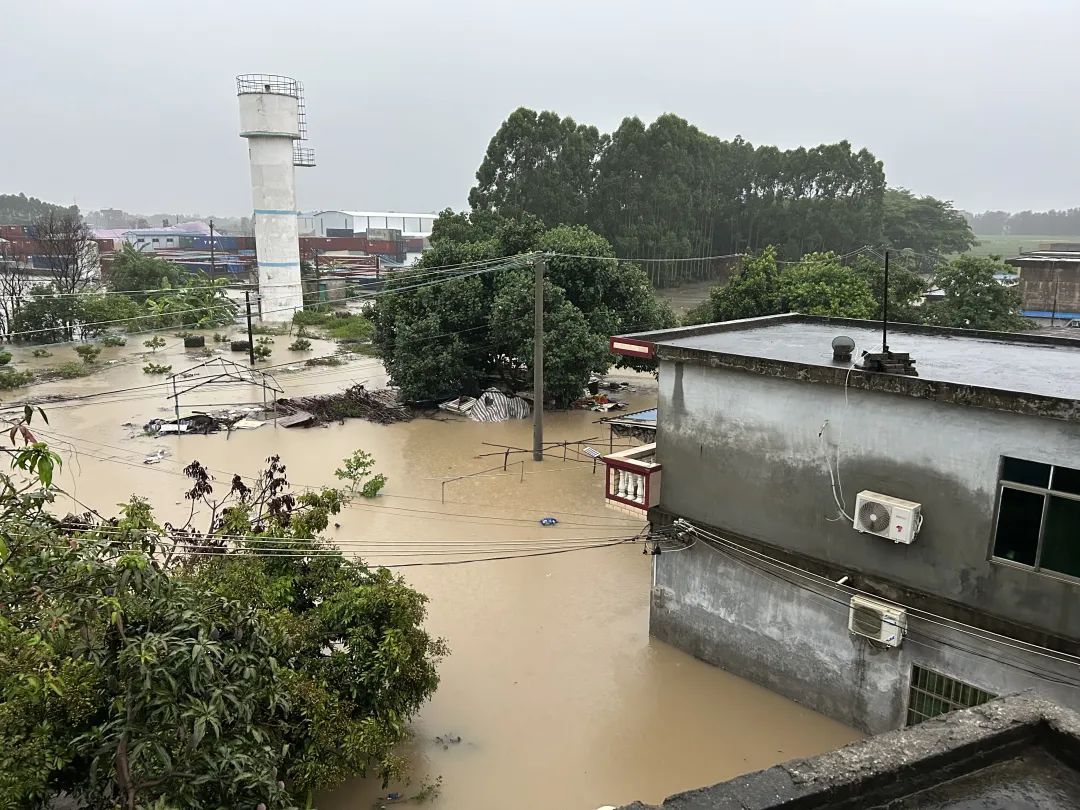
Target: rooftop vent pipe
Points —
{"points": [[842, 348]]}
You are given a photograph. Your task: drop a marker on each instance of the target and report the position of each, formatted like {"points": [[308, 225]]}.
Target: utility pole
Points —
{"points": [[538, 360], [251, 340], [212, 264]]}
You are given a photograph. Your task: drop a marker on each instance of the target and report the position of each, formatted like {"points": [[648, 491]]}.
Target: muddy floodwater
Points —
{"points": [[553, 685]]}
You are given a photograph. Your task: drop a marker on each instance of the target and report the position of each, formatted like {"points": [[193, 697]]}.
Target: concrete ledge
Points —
{"points": [[898, 764]]}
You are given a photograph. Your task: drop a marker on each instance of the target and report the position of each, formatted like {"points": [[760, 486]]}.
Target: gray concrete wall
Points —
{"points": [[794, 639], [741, 452]]}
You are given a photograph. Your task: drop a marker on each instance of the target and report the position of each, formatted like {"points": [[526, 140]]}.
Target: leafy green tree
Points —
{"points": [[668, 190], [133, 272], [974, 299], [754, 292], [18, 209], [46, 317], [821, 285], [199, 302], [906, 286], [475, 328], [97, 313], [538, 163], [925, 225], [134, 674]]}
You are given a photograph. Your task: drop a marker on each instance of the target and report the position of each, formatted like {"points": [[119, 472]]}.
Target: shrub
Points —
{"points": [[324, 361], [220, 338], [264, 340], [154, 343], [315, 316], [88, 352], [262, 351], [300, 345], [42, 353], [350, 329], [113, 340], [156, 368], [302, 332], [70, 370], [183, 333], [10, 378], [269, 329], [5, 357]]}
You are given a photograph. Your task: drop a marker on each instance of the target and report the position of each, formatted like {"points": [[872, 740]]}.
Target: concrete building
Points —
{"points": [[766, 444], [1050, 282], [272, 118]]}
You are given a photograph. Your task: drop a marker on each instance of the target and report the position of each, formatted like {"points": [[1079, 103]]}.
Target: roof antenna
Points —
{"points": [[885, 309], [885, 361]]}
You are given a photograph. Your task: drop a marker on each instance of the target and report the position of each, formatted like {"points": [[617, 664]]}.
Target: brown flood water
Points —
{"points": [[558, 694]]}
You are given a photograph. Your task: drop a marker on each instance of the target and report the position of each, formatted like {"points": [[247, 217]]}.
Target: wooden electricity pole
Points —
{"points": [[538, 360]]}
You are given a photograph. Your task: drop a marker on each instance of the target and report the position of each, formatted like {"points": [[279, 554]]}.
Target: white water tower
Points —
{"points": [[272, 118]]}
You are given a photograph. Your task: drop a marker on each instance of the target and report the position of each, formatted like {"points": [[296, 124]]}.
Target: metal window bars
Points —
{"points": [[932, 694]]}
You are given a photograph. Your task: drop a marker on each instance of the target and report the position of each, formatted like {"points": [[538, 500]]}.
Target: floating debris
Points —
{"points": [[491, 406], [356, 402]]}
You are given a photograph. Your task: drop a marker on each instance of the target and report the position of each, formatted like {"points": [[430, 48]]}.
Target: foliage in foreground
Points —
{"points": [[156, 666]]}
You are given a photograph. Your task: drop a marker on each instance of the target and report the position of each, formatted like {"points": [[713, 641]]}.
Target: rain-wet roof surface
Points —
{"points": [[1033, 780], [1008, 364], [1014, 753]]}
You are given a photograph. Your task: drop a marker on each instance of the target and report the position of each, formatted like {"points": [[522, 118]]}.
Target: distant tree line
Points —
{"points": [[1042, 223], [967, 292], [18, 209], [668, 190]]}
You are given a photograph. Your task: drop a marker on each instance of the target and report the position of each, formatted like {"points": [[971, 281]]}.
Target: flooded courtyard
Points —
{"points": [[553, 695]]}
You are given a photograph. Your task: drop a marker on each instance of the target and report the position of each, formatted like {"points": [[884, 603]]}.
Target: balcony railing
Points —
{"points": [[632, 479]]}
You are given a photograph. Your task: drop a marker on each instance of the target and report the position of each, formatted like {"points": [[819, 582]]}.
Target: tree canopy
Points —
{"points": [[18, 209], [132, 271], [244, 663], [973, 298], [667, 190], [924, 225], [818, 284], [475, 329], [852, 287]]}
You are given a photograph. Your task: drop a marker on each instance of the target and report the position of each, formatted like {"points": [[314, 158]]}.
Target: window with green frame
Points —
{"points": [[1038, 516], [932, 693]]}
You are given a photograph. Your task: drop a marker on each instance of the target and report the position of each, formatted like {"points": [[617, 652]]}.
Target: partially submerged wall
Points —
{"points": [[769, 625]]}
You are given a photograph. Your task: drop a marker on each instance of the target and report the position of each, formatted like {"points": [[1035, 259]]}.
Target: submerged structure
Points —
{"points": [[879, 546], [273, 120]]}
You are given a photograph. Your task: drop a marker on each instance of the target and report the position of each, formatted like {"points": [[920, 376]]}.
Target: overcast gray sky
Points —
{"points": [[132, 105]]}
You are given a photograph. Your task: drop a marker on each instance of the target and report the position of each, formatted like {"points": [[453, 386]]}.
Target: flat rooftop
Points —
{"points": [[1014, 753], [952, 364]]}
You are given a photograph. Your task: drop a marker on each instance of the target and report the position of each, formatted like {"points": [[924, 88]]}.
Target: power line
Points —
{"points": [[927, 616]]}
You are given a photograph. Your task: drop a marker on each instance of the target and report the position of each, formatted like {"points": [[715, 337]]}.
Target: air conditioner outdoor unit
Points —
{"points": [[893, 518], [877, 621]]}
